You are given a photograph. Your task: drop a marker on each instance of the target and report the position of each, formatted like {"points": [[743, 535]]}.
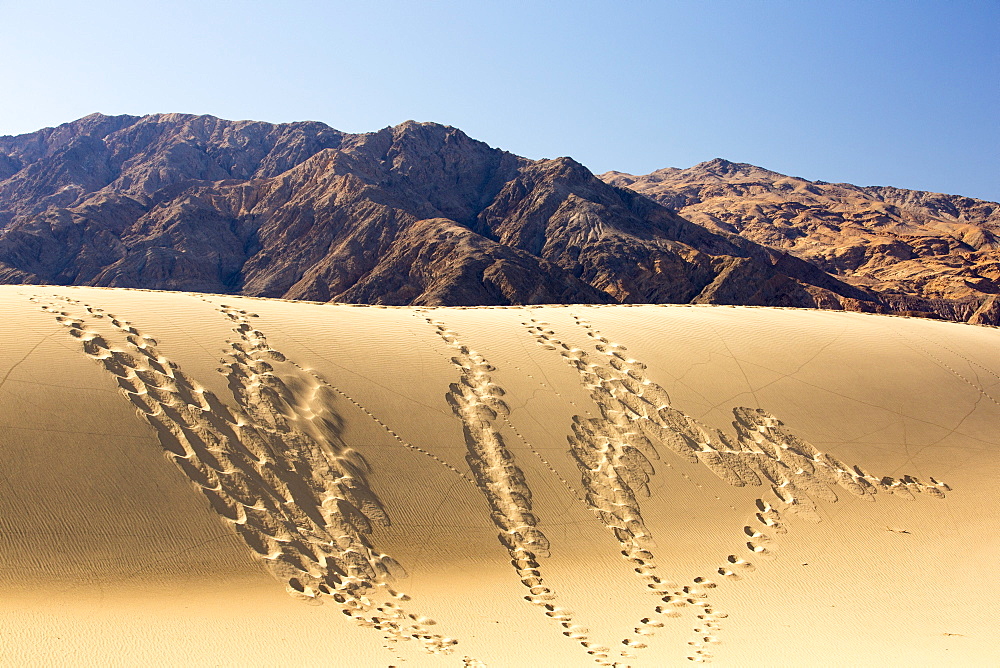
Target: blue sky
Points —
{"points": [[875, 93]]}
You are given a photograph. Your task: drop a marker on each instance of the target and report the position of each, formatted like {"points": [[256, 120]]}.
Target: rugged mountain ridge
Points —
{"points": [[926, 251], [138, 156], [418, 213], [415, 214]]}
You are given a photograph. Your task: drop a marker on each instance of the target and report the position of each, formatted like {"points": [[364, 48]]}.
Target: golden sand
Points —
{"points": [[214, 480]]}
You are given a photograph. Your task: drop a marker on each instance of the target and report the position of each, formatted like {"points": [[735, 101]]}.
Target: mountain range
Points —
{"points": [[893, 241], [422, 214]]}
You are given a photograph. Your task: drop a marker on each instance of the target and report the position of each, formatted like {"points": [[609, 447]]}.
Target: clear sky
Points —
{"points": [[873, 92]]}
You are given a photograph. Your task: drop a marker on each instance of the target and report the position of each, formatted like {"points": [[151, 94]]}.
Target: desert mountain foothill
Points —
{"points": [[421, 214]]}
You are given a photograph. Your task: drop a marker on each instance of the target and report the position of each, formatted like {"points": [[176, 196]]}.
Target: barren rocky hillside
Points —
{"points": [[418, 213], [897, 242]]}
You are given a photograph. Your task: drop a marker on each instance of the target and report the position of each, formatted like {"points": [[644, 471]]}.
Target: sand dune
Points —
{"points": [[235, 481]]}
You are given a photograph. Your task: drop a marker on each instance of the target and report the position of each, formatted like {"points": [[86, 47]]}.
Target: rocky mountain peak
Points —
{"points": [[720, 169], [721, 166]]}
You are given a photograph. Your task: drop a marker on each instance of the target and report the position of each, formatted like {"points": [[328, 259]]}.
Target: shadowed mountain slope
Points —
{"points": [[418, 213]]}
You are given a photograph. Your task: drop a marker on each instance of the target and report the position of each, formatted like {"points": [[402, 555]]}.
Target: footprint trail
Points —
{"points": [[615, 454], [274, 460], [280, 475], [477, 401]]}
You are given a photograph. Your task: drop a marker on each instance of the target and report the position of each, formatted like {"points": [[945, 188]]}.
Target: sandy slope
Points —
{"points": [[185, 477]]}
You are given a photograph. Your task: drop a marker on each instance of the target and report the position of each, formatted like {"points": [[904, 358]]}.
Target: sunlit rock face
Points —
{"points": [[925, 252]]}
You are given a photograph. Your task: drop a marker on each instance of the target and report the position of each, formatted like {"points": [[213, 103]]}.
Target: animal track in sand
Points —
{"points": [[275, 466], [320, 383], [940, 362]]}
